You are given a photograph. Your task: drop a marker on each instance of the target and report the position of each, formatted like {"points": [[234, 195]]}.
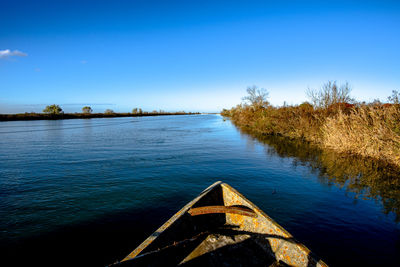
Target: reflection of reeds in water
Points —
{"points": [[367, 178]]}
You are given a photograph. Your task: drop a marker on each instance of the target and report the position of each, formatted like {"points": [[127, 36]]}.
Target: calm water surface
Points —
{"points": [[89, 191]]}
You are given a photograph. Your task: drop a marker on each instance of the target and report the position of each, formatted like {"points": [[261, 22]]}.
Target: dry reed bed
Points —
{"points": [[366, 130]]}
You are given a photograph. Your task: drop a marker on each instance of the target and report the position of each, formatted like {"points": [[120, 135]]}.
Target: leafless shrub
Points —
{"points": [[329, 94], [257, 97], [395, 97]]}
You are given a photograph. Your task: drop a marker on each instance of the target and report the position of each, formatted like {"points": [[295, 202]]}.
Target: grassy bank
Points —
{"points": [[61, 116], [366, 129]]}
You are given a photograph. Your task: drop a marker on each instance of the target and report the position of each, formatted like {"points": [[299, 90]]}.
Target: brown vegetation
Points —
{"points": [[368, 131], [371, 130]]}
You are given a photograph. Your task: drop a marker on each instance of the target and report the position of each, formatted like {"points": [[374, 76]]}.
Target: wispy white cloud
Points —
{"points": [[8, 53], [83, 61]]}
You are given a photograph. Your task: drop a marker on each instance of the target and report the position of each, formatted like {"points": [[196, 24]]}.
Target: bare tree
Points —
{"points": [[257, 97], [330, 93], [395, 97]]}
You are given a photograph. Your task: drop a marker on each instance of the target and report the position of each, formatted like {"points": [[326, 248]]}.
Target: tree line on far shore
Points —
{"points": [[56, 110]]}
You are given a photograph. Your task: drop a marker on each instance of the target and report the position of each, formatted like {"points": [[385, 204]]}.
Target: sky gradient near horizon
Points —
{"points": [[192, 55]]}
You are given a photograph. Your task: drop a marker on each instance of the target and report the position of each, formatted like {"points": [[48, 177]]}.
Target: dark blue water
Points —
{"points": [[89, 191]]}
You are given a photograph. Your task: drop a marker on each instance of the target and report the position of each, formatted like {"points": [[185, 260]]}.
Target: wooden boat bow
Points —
{"points": [[221, 227]]}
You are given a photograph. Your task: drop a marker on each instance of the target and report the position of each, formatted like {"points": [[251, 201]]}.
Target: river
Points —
{"points": [[88, 191]]}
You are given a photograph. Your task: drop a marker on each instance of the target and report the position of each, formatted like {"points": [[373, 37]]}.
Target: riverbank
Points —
{"points": [[63, 116], [369, 130]]}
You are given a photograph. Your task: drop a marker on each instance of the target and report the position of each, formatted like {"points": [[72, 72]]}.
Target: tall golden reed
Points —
{"points": [[367, 131]]}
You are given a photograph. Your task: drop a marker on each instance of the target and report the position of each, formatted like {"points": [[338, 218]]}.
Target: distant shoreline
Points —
{"points": [[66, 116]]}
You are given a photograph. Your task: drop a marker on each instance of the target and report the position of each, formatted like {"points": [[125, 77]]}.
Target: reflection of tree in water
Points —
{"points": [[367, 178]]}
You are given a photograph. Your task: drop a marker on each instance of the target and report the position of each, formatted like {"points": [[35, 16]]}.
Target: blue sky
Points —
{"points": [[192, 55]]}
